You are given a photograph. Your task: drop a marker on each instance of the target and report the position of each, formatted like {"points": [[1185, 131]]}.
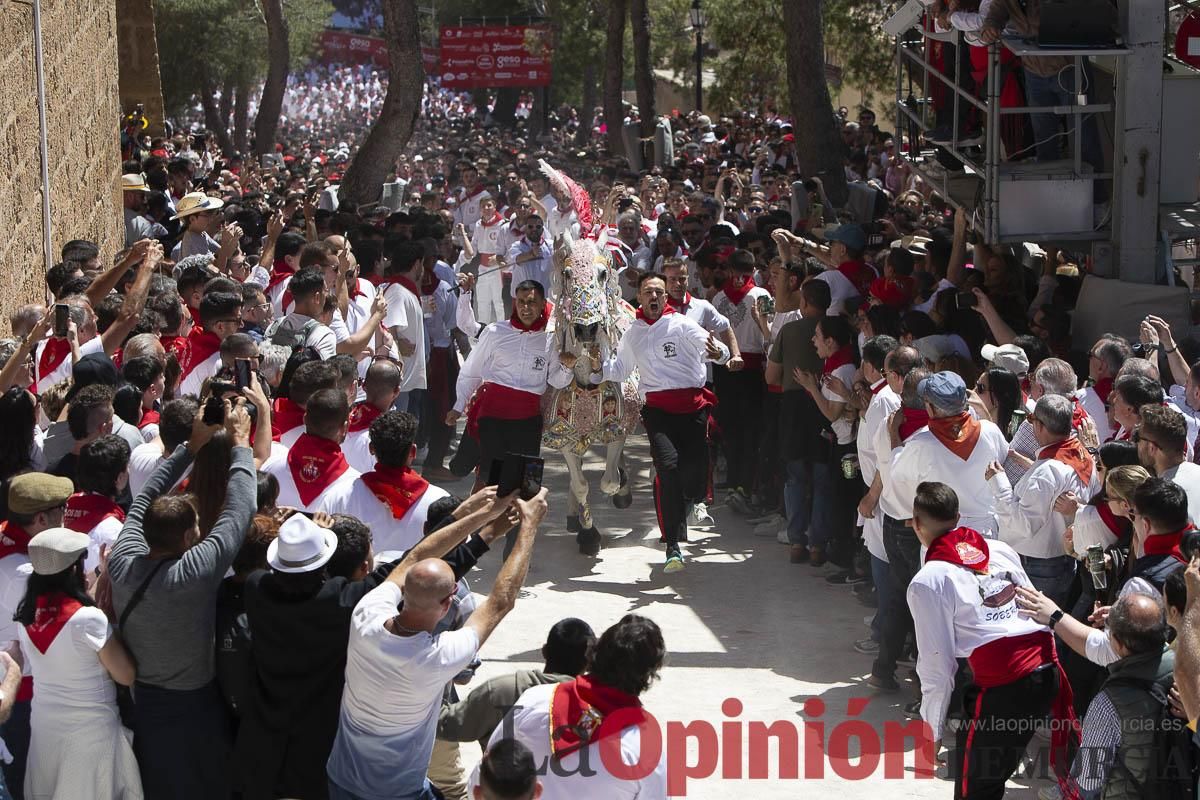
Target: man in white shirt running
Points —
{"points": [[397, 669]]}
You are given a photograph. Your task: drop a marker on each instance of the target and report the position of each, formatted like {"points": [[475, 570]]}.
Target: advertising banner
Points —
{"points": [[492, 56]]}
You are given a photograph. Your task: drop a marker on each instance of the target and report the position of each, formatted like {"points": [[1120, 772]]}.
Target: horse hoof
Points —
{"points": [[589, 542], [623, 499], [573, 524]]}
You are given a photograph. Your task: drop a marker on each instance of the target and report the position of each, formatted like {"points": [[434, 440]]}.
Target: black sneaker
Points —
{"points": [[913, 710], [845, 578], [884, 683]]}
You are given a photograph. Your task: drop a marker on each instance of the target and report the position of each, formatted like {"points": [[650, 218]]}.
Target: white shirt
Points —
{"points": [[489, 239], [143, 460], [103, 535], [840, 290], [359, 309], [356, 447], [390, 703], [15, 570], [406, 320], [530, 726], [1094, 406], [1187, 477], [842, 427], [388, 534], [705, 314], [467, 212], [924, 458], [942, 286], [952, 618], [193, 382], [1089, 529], [537, 269], [749, 335], [275, 295], [1028, 521], [879, 411], [522, 360], [289, 495], [670, 354], [65, 369]]}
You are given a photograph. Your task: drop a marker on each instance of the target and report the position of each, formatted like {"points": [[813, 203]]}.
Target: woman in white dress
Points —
{"points": [[78, 748]]}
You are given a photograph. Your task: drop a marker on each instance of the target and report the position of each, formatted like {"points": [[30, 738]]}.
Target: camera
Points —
{"points": [[1189, 545], [966, 300], [62, 319]]}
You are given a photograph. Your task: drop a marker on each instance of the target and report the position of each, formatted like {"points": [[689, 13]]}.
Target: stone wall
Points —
{"points": [[80, 52], [137, 49]]}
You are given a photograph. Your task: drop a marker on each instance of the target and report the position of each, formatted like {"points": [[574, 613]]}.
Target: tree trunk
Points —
{"points": [[278, 56], [212, 115], [225, 109], [587, 109], [819, 148], [504, 113], [614, 75], [643, 67], [241, 113], [363, 180]]}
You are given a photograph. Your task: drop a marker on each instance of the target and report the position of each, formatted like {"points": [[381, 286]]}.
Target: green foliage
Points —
{"points": [[746, 51], [227, 40]]}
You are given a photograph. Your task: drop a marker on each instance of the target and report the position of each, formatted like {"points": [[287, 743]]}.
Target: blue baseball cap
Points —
{"points": [[943, 390], [850, 234]]}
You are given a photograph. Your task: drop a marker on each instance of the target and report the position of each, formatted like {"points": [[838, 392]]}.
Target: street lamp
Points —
{"points": [[696, 14]]}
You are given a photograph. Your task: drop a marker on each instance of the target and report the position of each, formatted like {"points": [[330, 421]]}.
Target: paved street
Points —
{"points": [[740, 622]]}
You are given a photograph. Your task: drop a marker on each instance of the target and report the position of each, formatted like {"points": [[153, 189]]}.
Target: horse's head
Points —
{"points": [[583, 267]]}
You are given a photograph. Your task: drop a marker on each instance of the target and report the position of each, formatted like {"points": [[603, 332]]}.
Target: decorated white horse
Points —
{"points": [[590, 318]]}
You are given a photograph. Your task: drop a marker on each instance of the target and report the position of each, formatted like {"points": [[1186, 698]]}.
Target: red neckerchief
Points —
{"points": [[878, 387], [914, 420], [149, 417], [280, 271], [474, 192], [539, 324], [357, 292], [583, 711], [407, 283], [51, 615], [1162, 544], [429, 283], [1103, 388], [13, 539], [285, 416], [841, 358], [86, 510], [680, 305], [1078, 415], [1072, 453], [667, 309], [962, 546], [959, 433], [175, 345], [200, 347], [738, 287], [362, 415], [315, 463], [1119, 526], [398, 488], [489, 223], [53, 354], [858, 274]]}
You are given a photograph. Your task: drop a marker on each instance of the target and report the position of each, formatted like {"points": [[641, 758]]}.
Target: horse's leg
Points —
{"points": [[611, 482], [622, 497], [587, 537]]}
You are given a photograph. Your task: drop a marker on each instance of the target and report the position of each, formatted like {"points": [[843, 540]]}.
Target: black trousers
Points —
{"points": [[183, 742], [999, 723], [499, 437], [770, 466], [679, 449], [740, 412], [904, 560]]}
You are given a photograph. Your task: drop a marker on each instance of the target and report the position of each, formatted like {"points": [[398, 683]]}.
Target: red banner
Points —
{"points": [[338, 47], [491, 56]]}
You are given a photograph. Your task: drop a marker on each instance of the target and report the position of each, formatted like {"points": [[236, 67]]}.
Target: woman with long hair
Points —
{"points": [[78, 748], [20, 438], [1000, 391]]}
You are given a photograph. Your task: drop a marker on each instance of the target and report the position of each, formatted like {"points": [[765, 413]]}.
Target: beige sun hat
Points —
{"points": [[133, 183], [194, 203]]}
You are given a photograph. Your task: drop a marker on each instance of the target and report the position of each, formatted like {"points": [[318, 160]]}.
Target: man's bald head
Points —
{"points": [[383, 379], [1138, 623], [427, 585]]}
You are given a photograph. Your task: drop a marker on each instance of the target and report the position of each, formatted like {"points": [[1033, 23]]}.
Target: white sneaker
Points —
{"points": [[781, 536], [769, 525], [868, 619], [699, 515], [771, 519]]}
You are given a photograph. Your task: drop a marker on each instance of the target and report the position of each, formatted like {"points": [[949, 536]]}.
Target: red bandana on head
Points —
{"points": [[539, 324], [584, 711], [53, 354], [961, 546], [398, 488], [315, 463], [86, 510], [362, 415], [50, 615]]}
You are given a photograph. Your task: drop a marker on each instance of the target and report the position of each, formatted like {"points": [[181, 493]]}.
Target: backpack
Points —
{"points": [[1171, 767], [292, 338]]}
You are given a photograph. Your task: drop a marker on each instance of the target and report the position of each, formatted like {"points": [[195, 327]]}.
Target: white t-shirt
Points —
{"points": [[531, 727], [15, 570], [321, 337], [390, 703], [388, 534], [143, 460], [840, 290], [749, 335], [1187, 477], [405, 313], [841, 426]]}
